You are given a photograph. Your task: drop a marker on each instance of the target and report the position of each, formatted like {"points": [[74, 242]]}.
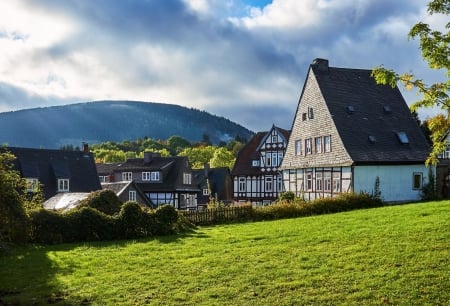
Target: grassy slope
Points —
{"points": [[398, 254]]}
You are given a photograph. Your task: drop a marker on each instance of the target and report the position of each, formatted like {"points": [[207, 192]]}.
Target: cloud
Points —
{"points": [[231, 57]]}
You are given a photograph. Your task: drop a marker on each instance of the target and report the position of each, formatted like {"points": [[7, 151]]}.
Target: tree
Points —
{"points": [[436, 52], [176, 144], [13, 219], [222, 158]]}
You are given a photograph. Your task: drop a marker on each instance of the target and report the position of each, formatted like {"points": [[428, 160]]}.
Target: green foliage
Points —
{"points": [[198, 156], [429, 191], [105, 201], [287, 196], [47, 226], [222, 158], [167, 217], [436, 52], [176, 144], [13, 219], [88, 224], [132, 221]]}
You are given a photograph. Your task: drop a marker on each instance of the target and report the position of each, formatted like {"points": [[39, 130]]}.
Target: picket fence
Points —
{"points": [[219, 215]]}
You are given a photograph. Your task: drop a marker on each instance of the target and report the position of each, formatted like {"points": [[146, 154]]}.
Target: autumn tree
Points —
{"points": [[436, 52]]}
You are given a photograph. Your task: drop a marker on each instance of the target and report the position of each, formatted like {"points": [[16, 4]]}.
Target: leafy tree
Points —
{"points": [[198, 156], [436, 52], [176, 144], [13, 219], [222, 158]]}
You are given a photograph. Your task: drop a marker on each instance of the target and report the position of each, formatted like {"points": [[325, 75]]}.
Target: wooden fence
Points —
{"points": [[219, 215]]}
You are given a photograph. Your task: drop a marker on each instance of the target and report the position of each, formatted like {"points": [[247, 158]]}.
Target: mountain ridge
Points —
{"points": [[111, 120]]}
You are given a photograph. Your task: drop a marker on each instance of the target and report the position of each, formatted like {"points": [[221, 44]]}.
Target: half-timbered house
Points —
{"points": [[350, 134], [255, 174]]}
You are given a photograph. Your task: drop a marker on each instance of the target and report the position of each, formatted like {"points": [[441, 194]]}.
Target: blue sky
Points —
{"points": [[242, 59]]}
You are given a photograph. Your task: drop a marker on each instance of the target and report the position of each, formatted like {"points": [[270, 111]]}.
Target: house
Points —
{"points": [[350, 134], [443, 171], [255, 174], [214, 184], [56, 171], [128, 191], [163, 180]]}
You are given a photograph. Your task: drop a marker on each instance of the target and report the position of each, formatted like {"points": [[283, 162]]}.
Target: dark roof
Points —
{"points": [[120, 187], [369, 116], [243, 164], [217, 178], [49, 165]]}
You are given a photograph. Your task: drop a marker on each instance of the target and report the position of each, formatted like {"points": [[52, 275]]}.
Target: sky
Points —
{"points": [[245, 60]]}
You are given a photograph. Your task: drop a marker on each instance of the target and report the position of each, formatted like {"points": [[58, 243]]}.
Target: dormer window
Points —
{"points": [[63, 185], [127, 176], [154, 176], [402, 137], [255, 163], [187, 178]]}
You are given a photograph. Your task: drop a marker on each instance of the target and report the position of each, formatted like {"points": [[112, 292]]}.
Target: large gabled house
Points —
{"points": [[163, 180], [350, 134], [56, 171], [255, 174]]}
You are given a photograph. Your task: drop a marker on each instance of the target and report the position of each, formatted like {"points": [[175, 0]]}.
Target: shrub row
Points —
{"points": [[287, 207], [90, 224]]}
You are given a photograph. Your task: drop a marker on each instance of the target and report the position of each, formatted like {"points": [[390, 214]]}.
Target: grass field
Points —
{"points": [[392, 255]]}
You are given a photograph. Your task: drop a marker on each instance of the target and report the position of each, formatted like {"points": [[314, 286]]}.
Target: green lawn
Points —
{"points": [[392, 255]]}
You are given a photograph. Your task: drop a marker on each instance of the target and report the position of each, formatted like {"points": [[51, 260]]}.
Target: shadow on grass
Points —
{"points": [[28, 277]]}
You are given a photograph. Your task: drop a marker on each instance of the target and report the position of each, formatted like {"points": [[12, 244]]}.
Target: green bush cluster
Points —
{"points": [[89, 224]]}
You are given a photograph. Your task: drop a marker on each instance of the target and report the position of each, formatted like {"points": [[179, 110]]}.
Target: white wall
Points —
{"points": [[396, 182]]}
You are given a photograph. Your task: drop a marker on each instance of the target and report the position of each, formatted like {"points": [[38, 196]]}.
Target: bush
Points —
{"points": [[133, 221], [167, 217], [105, 201], [47, 226], [88, 224]]}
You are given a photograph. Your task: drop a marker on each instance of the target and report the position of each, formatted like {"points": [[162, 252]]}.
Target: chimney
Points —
{"points": [[206, 170], [85, 147], [148, 157], [321, 64]]}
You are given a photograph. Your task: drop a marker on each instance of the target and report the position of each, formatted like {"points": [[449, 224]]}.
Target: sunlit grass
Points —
{"points": [[398, 255]]}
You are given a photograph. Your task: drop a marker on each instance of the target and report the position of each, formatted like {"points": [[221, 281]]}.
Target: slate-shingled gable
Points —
{"points": [[49, 165], [343, 87]]}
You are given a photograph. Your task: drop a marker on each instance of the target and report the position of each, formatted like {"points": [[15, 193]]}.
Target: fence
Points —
{"points": [[219, 215]]}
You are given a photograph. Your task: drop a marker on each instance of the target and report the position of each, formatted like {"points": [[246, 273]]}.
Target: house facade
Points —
{"points": [[163, 180], [214, 184], [350, 134], [255, 174], [56, 171]]}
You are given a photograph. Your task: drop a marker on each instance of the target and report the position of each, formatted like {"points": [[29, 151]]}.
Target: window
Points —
{"points": [[187, 178], [402, 137], [205, 191], [127, 176], [327, 181], [268, 160], [298, 147], [255, 163], [274, 159], [154, 176], [319, 181], [242, 184], [304, 117], [336, 182], [308, 146], [32, 184], [327, 142], [268, 184], [132, 195], [318, 143], [104, 178], [146, 176], [280, 184], [63, 185], [309, 181], [417, 180], [280, 158], [274, 138], [310, 113]]}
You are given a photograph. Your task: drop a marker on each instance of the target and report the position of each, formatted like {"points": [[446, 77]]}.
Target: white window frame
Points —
{"points": [[327, 181], [146, 176], [127, 176], [242, 184], [318, 144], [308, 146], [336, 182], [309, 181], [319, 181], [298, 147], [155, 176], [132, 195], [268, 184], [255, 163], [63, 185], [205, 191], [327, 143], [187, 178]]}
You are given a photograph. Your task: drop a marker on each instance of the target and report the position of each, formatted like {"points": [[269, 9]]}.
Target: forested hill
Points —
{"points": [[92, 122]]}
